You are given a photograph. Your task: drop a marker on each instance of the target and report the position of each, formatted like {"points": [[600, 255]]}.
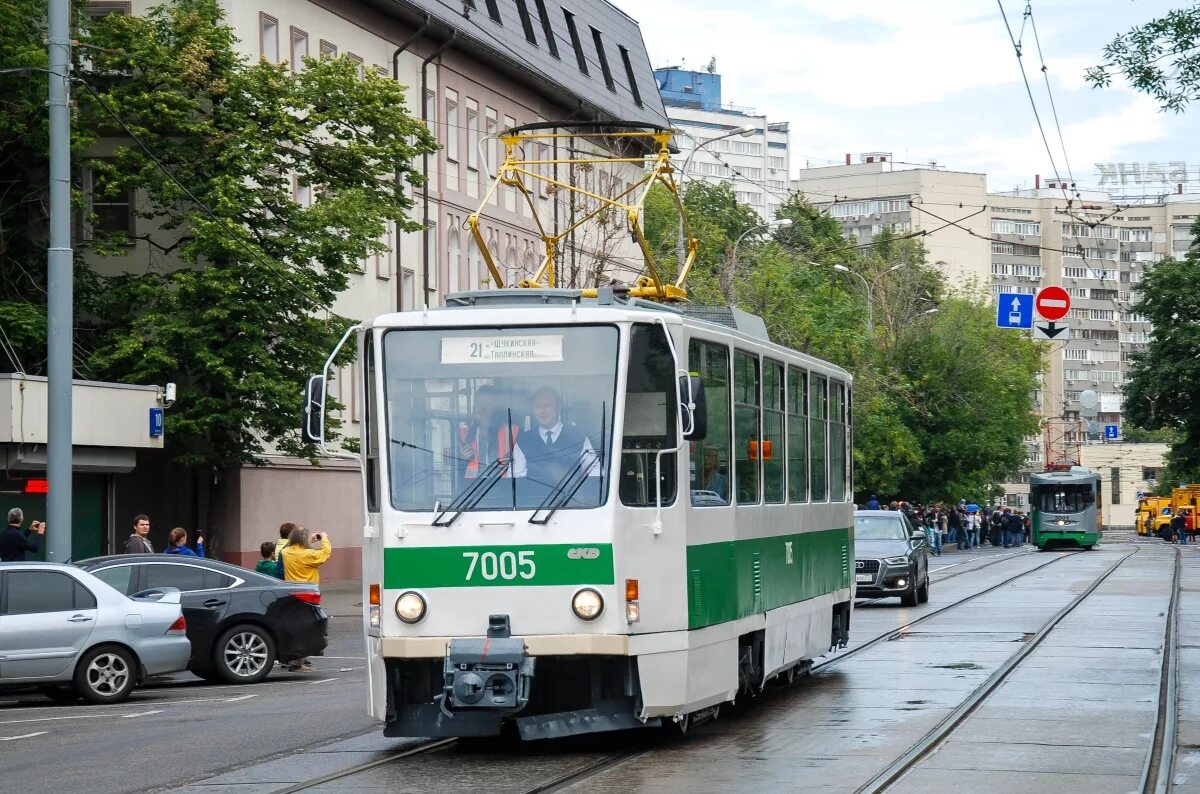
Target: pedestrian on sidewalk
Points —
{"points": [[957, 535], [873, 502], [15, 542], [285, 532], [177, 544], [302, 563], [139, 541], [1179, 528], [929, 524], [268, 566]]}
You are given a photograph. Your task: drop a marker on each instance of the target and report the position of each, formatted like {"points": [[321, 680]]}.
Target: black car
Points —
{"points": [[891, 557], [239, 622]]}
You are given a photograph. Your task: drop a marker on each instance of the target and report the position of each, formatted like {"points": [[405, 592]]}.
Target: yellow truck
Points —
{"points": [[1148, 510], [1184, 501]]}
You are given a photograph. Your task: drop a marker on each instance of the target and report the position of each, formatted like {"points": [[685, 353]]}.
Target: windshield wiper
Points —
{"points": [[474, 495]]}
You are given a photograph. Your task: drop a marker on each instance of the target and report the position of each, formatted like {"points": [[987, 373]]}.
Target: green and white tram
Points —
{"points": [[1066, 508], [591, 514]]}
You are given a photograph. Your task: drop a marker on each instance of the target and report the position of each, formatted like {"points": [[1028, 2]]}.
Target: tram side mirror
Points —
{"points": [[312, 426], [693, 408]]}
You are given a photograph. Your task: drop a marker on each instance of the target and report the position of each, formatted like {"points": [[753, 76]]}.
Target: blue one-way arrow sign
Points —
{"points": [[1111, 432], [1014, 310]]}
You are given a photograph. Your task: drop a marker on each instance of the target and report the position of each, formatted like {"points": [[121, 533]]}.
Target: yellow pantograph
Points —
{"points": [[520, 171]]}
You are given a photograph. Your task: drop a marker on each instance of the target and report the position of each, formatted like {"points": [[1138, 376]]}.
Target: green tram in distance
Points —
{"points": [[1066, 508]]}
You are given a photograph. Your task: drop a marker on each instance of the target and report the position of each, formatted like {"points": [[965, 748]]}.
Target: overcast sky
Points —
{"points": [[929, 79]]}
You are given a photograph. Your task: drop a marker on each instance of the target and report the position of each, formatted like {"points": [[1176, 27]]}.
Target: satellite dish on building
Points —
{"points": [[1089, 399]]}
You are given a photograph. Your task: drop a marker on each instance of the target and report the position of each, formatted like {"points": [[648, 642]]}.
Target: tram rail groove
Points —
{"points": [[1160, 760], [1003, 558], [591, 770], [934, 739], [891, 635], [420, 749]]}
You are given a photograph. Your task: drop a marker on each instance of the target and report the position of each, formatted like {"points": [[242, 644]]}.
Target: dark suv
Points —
{"points": [[891, 557]]}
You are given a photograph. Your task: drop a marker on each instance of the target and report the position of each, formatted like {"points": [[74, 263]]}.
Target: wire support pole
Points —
{"points": [[60, 288]]}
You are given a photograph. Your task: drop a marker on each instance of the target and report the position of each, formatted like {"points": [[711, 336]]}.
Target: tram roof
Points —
{"points": [[562, 306], [1073, 475]]}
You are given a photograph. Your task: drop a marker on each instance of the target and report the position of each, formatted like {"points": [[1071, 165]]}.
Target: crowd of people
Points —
{"points": [[966, 525]]}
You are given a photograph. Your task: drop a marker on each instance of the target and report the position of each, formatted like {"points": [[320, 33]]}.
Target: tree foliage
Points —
{"points": [[1160, 391], [236, 306], [1160, 58], [942, 398]]}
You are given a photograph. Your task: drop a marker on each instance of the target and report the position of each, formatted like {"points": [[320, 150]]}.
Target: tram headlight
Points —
{"points": [[410, 607], [587, 604]]}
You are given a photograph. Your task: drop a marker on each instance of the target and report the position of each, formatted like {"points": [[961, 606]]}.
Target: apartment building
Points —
{"points": [[755, 163], [1092, 245], [471, 70]]}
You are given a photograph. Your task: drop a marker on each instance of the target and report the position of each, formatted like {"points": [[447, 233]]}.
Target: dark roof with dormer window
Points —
{"points": [[512, 36]]}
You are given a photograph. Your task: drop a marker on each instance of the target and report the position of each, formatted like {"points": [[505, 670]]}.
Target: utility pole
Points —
{"points": [[60, 288]]}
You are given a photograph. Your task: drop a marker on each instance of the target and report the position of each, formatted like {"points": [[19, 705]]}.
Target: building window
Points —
{"points": [[299, 49], [111, 211], [268, 37], [526, 22], [358, 64], [579, 57], [451, 136], [603, 58], [97, 10], [328, 49], [472, 135], [494, 11], [633, 86], [1150, 473], [890, 205], [1031, 228], [546, 29]]}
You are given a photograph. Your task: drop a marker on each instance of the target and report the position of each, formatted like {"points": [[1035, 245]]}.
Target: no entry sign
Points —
{"points": [[1052, 303]]}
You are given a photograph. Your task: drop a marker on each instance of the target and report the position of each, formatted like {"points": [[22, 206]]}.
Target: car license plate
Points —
{"points": [[863, 577]]}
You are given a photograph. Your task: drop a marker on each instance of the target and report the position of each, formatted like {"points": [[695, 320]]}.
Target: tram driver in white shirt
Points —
{"points": [[547, 452]]}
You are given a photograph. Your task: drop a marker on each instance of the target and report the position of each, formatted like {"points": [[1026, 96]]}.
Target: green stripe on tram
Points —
{"points": [[529, 565], [732, 579]]}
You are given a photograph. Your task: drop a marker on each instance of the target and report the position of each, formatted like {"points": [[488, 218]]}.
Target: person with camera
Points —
{"points": [[15, 542], [302, 563]]}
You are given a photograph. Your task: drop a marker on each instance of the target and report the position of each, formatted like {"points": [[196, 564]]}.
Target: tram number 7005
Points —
{"points": [[505, 565]]}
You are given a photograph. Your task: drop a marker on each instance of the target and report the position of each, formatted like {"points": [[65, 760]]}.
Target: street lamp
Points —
{"points": [[744, 130], [779, 223], [870, 285]]}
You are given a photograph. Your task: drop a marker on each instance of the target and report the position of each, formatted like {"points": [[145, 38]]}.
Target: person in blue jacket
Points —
{"points": [[873, 503], [177, 544]]}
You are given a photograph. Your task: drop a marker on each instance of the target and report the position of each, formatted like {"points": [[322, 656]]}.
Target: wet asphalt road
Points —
{"points": [[1077, 714]]}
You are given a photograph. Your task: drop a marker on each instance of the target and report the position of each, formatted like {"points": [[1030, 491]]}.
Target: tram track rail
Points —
{"points": [[937, 736], [366, 766], [1002, 559], [1160, 760], [900, 630]]}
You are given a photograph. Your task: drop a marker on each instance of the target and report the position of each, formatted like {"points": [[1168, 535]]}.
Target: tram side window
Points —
{"points": [[745, 427], [817, 411], [837, 441], [369, 429], [773, 450], [710, 458], [797, 446], [651, 419]]}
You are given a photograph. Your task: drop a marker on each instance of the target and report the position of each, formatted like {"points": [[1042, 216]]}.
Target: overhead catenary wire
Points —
{"points": [[1050, 93]]}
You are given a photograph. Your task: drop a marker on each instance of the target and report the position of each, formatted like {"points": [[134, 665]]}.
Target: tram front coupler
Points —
{"points": [[494, 673]]}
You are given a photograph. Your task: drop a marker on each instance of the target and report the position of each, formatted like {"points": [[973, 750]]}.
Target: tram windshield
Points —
{"points": [[499, 418], [1063, 498]]}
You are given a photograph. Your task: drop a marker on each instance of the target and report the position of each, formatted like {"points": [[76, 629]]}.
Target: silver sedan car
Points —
{"points": [[71, 635]]}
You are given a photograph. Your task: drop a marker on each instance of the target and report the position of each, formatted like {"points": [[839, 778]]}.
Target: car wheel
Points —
{"points": [[60, 694], [909, 598], [106, 674], [244, 655], [923, 592]]}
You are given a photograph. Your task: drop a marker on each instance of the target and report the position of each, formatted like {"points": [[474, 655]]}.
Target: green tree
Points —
{"points": [[1160, 58], [1160, 390], [237, 306], [24, 170]]}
